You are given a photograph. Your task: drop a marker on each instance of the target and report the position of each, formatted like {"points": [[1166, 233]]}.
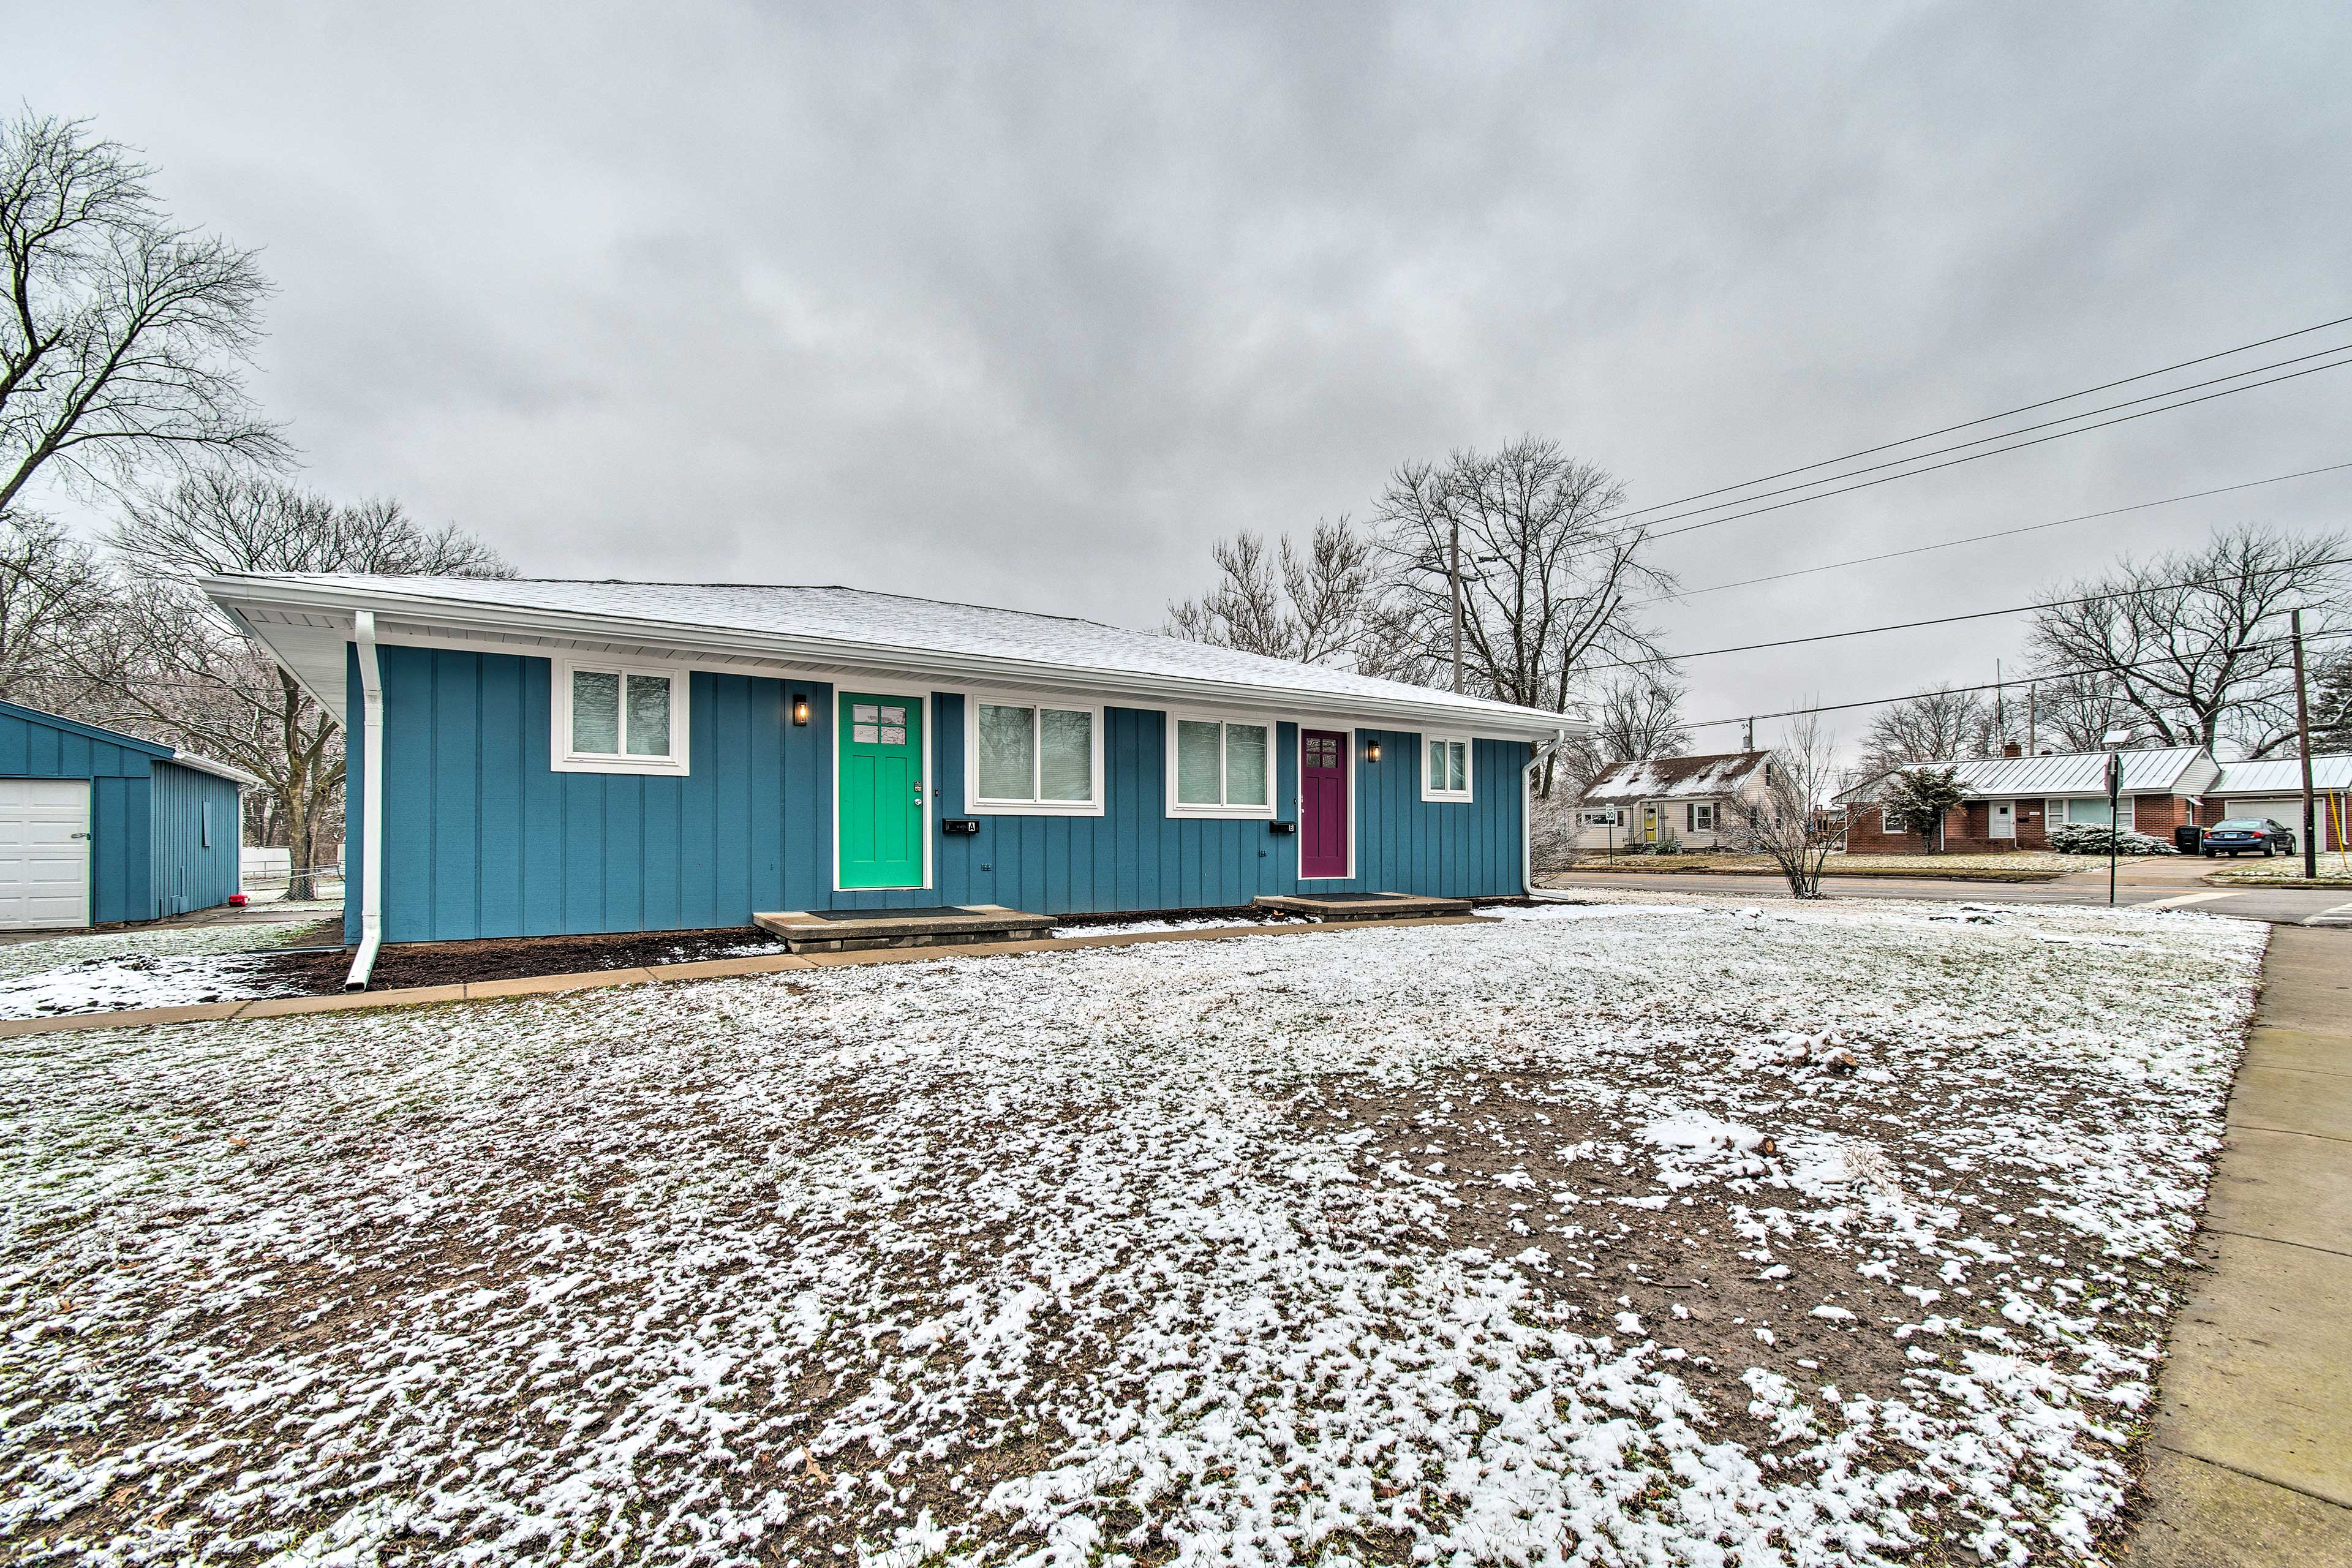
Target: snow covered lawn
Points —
{"points": [[1620, 1234], [115, 970]]}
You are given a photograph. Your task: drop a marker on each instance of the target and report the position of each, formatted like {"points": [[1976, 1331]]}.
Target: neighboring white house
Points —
{"points": [[1654, 799]]}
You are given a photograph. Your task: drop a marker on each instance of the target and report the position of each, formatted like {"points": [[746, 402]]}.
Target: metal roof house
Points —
{"points": [[545, 757], [99, 828], [2013, 801], [1652, 800], [2272, 787]]}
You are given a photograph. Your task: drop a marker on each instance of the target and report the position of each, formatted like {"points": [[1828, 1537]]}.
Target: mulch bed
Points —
{"points": [[515, 958], [321, 972]]}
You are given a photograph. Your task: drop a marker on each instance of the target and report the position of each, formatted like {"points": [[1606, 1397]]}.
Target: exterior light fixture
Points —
{"points": [[800, 708], [1371, 751]]}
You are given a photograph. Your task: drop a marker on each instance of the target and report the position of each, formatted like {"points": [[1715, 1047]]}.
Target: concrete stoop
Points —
{"points": [[865, 931]]}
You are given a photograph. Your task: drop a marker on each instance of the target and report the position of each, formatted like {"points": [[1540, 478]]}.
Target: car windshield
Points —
{"points": [[2238, 825]]}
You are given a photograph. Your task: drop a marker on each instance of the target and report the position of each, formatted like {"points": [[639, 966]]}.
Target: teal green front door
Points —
{"points": [[879, 798]]}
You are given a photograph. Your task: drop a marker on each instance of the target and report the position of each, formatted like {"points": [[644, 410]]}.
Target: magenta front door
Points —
{"points": [[1322, 804]]}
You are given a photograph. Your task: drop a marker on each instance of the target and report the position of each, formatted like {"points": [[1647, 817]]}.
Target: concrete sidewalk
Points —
{"points": [[2251, 1458]]}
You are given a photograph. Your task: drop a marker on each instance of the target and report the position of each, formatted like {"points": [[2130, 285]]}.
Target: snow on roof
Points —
{"points": [[2283, 776], [1675, 778], [2154, 770], [849, 626], [229, 770]]}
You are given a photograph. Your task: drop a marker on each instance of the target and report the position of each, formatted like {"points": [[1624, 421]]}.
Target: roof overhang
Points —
{"points": [[306, 627]]}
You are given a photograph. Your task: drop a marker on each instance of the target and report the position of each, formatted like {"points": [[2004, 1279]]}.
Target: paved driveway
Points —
{"points": [[2173, 883]]}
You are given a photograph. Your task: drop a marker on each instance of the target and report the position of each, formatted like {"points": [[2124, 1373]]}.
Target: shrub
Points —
{"points": [[2091, 838]]}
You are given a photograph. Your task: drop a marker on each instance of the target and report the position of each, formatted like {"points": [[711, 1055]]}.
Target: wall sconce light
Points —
{"points": [[1371, 751], [800, 708]]}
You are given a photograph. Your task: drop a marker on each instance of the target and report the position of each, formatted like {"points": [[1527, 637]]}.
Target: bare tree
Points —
{"points": [[1635, 716], [1933, 726], [2078, 712], [51, 585], [164, 662], [2193, 646], [124, 338], [1789, 820], [1326, 605], [1547, 579]]}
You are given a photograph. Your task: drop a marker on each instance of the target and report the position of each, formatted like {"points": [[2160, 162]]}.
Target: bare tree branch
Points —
{"points": [[124, 338]]}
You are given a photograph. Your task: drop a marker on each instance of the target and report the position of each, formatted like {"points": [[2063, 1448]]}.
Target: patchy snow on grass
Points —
{"points": [[1497, 1243], [119, 970]]}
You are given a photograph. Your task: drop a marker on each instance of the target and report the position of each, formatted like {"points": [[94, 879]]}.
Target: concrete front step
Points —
{"points": [[860, 930], [1361, 906]]}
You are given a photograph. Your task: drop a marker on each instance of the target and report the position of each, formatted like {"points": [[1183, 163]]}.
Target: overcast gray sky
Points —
{"points": [[1026, 308]]}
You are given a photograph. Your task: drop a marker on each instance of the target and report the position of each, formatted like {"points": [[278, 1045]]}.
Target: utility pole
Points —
{"points": [[1454, 572], [1999, 710], [2302, 747], [1750, 744], [2032, 742]]}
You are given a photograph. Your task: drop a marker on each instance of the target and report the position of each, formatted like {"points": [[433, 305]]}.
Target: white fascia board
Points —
{"points": [[1492, 721]]}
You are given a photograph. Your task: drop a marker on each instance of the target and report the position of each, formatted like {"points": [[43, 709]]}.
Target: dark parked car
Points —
{"points": [[2249, 835]]}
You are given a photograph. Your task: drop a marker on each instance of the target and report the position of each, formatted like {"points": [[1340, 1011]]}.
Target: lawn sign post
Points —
{"points": [[2115, 828], [2302, 751]]}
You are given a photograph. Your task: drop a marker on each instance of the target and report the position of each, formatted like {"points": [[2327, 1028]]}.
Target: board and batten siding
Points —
{"points": [[197, 828], [484, 839], [122, 874]]}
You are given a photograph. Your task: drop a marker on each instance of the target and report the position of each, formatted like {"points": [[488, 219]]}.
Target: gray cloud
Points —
{"points": [[1028, 306]]}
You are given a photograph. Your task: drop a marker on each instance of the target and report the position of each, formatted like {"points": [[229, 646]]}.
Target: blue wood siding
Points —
{"points": [[34, 746], [193, 844], [484, 839]]}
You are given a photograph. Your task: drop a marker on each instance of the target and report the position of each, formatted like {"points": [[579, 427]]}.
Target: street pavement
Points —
{"points": [[2168, 883]]}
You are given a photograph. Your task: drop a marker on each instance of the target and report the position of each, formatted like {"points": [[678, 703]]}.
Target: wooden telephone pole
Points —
{"points": [[2302, 748]]}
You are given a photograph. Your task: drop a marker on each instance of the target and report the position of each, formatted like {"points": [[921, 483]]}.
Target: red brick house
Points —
{"points": [[2013, 800]]}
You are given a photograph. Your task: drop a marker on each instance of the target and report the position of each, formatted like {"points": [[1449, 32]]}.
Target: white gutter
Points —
{"points": [[371, 803]]}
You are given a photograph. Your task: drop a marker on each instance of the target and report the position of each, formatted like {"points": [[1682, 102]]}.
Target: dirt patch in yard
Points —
{"points": [[518, 958]]}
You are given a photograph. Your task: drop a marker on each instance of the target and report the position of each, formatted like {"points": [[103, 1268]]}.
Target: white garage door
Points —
{"points": [[43, 853], [2288, 813]]}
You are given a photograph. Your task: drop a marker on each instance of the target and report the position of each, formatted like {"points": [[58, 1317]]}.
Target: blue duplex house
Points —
{"points": [[548, 757]]}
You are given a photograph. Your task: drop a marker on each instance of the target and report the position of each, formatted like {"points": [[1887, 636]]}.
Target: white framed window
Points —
{"points": [[2093, 810], [1698, 816], [1219, 766], [615, 717], [1605, 816], [1887, 821], [1446, 767], [1031, 756]]}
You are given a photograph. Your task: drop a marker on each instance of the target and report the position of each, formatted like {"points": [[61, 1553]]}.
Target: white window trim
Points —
{"points": [[1887, 821], [837, 682], [973, 806], [1225, 813], [562, 759], [1347, 732], [1691, 823], [1462, 796]]}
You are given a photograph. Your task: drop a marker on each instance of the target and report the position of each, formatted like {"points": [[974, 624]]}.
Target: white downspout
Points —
{"points": [[1528, 816], [371, 802]]}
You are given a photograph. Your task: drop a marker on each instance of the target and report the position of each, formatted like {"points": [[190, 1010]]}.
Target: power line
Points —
{"points": [[1980, 538], [1976, 456], [2030, 680], [1986, 419], [2023, 431], [1949, 620]]}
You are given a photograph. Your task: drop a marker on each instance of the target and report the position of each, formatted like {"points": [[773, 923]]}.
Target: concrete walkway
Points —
{"points": [[2251, 1459]]}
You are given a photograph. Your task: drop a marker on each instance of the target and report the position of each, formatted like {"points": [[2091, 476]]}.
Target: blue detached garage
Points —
{"points": [[543, 757], [98, 827]]}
